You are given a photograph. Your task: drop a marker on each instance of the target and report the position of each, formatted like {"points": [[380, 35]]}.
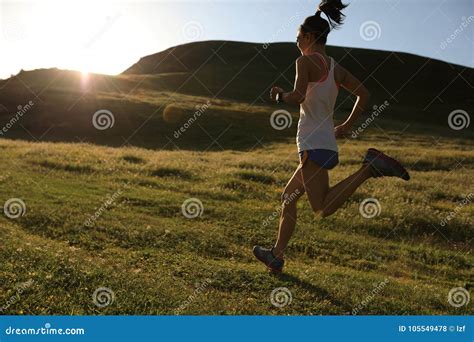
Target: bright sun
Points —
{"points": [[88, 36]]}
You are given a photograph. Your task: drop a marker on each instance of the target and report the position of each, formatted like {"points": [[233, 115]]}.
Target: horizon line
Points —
{"points": [[241, 42]]}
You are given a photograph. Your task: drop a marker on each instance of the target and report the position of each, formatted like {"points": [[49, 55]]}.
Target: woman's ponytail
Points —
{"points": [[321, 27], [332, 9]]}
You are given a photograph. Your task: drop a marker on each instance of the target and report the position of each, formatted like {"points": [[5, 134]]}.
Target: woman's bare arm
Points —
{"points": [[297, 96], [355, 87]]}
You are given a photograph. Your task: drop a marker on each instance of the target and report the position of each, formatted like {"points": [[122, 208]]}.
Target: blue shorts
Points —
{"points": [[326, 159]]}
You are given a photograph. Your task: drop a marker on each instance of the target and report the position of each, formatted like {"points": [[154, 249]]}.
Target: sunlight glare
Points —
{"points": [[88, 36]]}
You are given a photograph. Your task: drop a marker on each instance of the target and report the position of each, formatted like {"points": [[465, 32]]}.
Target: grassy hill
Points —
{"points": [[157, 95], [107, 217], [104, 208]]}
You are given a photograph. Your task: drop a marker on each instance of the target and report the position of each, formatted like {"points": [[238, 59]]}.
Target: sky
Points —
{"points": [[104, 36]]}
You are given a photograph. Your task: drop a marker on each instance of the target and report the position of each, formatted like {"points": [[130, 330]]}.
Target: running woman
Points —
{"points": [[318, 78]]}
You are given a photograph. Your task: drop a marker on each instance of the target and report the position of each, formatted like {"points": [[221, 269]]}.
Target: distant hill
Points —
{"points": [[235, 77], [392, 76]]}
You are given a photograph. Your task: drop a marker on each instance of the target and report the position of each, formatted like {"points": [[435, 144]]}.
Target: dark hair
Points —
{"points": [[321, 27]]}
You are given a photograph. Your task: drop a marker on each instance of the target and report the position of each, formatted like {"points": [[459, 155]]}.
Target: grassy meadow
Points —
{"points": [[104, 208], [157, 261]]}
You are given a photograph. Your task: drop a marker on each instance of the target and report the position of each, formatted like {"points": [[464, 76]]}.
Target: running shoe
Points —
{"points": [[266, 256], [383, 165]]}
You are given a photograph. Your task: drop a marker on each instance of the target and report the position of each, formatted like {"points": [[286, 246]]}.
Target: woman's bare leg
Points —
{"points": [[313, 180], [316, 184], [324, 200], [340, 192], [293, 191]]}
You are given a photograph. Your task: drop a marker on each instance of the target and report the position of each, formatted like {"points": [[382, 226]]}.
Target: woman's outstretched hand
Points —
{"points": [[341, 131], [274, 92]]}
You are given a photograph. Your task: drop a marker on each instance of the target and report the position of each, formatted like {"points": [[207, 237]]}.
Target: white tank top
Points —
{"points": [[316, 125]]}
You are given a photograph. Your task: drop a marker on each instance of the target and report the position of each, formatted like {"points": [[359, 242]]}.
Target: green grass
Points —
{"points": [[104, 208], [157, 261]]}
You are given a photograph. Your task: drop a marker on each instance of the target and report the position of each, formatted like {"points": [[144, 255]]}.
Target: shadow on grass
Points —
{"points": [[320, 293]]}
